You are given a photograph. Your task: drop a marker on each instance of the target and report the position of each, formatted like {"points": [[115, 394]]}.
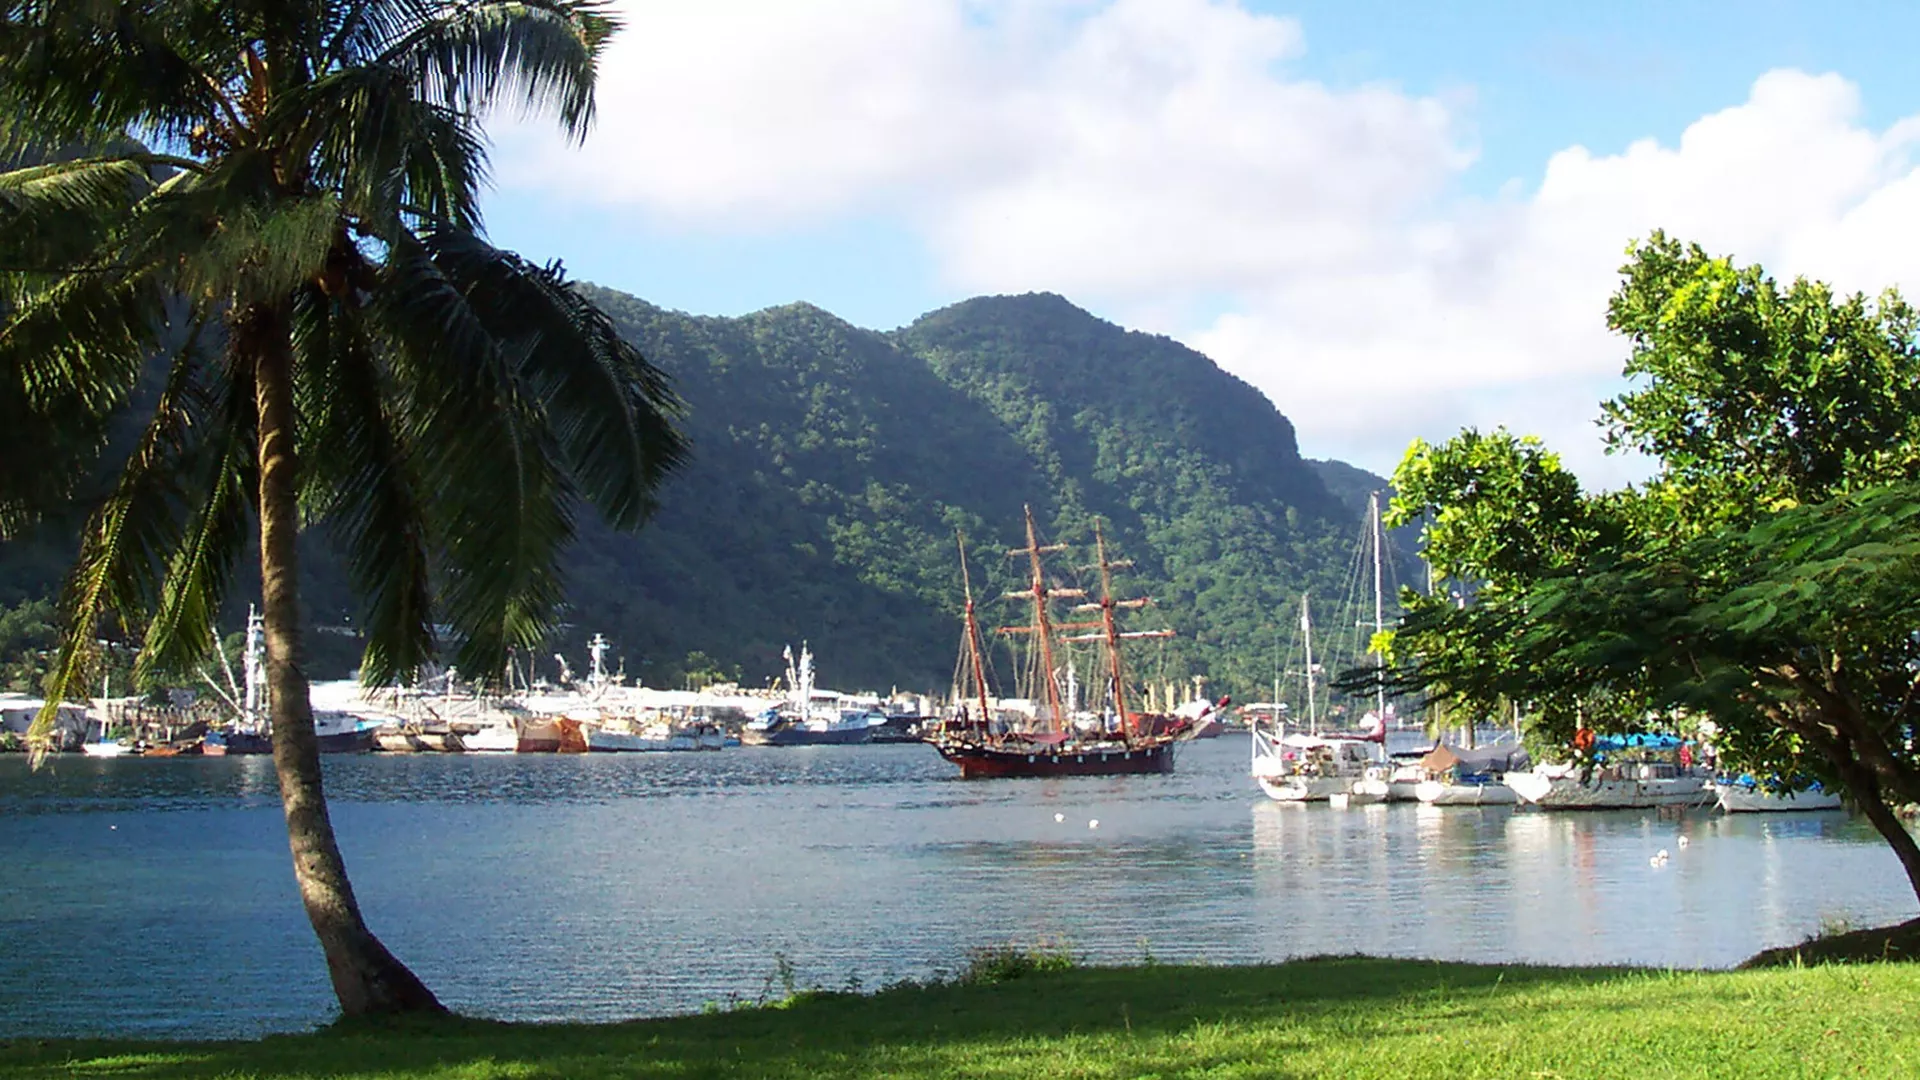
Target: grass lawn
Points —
{"points": [[1358, 1018]]}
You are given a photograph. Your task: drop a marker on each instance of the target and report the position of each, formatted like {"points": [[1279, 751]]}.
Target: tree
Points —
{"points": [[296, 242], [1762, 589]]}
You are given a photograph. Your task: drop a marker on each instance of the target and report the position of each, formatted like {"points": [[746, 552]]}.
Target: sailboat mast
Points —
{"points": [[1379, 688], [974, 647], [1114, 670], [1306, 631], [1042, 623]]}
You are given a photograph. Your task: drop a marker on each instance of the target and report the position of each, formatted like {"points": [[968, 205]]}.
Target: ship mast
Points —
{"points": [[975, 649], [1110, 633], [1042, 626], [1379, 687]]}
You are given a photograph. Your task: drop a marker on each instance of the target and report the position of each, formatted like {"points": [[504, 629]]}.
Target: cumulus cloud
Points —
{"points": [[1154, 157]]}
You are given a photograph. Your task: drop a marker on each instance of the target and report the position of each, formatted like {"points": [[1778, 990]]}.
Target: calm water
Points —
{"points": [[155, 897]]}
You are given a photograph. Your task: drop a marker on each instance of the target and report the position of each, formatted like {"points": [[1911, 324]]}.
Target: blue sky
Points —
{"points": [[1513, 84]]}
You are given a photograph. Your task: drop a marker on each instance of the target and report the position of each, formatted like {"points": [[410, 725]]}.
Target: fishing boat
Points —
{"points": [[1054, 736], [809, 717], [1744, 795]]}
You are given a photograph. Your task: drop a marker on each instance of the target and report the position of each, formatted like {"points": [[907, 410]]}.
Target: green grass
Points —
{"points": [[1355, 1018]]}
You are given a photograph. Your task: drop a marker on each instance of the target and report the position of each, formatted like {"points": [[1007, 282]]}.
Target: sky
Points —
{"points": [[1396, 220]]}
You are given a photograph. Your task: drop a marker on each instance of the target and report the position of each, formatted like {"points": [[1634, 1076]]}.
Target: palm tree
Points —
{"points": [[294, 246]]}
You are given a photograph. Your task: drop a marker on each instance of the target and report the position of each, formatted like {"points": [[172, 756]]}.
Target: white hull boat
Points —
{"points": [[1559, 787], [602, 740], [492, 739], [1298, 788], [1441, 793], [1753, 799], [106, 749]]}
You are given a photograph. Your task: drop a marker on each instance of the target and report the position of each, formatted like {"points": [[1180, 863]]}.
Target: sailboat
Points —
{"points": [[1053, 736], [1308, 766], [1315, 766], [107, 746]]}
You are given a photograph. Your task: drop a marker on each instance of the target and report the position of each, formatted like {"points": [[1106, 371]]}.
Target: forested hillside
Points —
{"points": [[833, 464]]}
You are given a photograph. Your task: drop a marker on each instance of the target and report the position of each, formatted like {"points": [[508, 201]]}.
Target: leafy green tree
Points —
{"points": [[1761, 589], [297, 239]]}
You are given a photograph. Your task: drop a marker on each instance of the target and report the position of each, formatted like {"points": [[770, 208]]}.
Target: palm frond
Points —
{"points": [[541, 52], [489, 469], [360, 484], [611, 413], [127, 542], [219, 485], [382, 148], [87, 74]]}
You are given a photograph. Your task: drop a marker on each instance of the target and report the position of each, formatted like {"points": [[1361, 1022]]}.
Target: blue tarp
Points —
{"points": [[1637, 742]]}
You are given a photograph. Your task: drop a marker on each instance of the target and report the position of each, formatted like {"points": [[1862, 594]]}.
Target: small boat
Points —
{"points": [[1744, 795], [1314, 768], [1469, 776], [107, 749], [222, 742]]}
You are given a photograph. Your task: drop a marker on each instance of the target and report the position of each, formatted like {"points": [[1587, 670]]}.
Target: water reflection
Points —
{"points": [[610, 886]]}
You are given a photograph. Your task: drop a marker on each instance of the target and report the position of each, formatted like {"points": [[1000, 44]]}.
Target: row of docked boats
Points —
{"points": [[1630, 772]]}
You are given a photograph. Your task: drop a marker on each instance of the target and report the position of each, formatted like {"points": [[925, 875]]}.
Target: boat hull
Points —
{"points": [[602, 741], [797, 736], [1305, 788], [492, 739], [1550, 792], [1437, 793], [988, 762], [1741, 799], [552, 737], [224, 743], [418, 742], [106, 749]]}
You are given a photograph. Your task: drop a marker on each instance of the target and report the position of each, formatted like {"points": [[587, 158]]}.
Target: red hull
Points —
{"points": [[983, 762]]}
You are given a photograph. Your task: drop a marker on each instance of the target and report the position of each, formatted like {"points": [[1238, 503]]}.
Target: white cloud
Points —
{"points": [[1150, 157]]}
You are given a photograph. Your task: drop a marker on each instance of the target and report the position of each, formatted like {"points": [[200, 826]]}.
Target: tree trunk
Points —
{"points": [[367, 978]]}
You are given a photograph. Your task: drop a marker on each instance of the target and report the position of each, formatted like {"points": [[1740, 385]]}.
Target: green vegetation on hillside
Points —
{"points": [[832, 465], [1347, 1018]]}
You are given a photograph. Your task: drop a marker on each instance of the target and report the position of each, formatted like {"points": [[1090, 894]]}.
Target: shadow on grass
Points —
{"points": [[1008, 1028], [1898, 942]]}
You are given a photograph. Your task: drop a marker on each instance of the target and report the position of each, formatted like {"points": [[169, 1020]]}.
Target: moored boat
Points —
{"points": [[551, 735], [1744, 795], [1630, 787], [1469, 776]]}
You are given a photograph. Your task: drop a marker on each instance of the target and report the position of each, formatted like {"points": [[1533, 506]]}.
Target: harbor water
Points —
{"points": [[155, 897]]}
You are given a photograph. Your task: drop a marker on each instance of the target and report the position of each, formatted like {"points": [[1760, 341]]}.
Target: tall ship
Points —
{"points": [[1051, 732]]}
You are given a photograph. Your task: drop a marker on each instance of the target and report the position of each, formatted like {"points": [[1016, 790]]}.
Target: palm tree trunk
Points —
{"points": [[366, 977]]}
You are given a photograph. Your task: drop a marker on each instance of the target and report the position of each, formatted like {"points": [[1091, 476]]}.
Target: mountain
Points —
{"points": [[833, 464]]}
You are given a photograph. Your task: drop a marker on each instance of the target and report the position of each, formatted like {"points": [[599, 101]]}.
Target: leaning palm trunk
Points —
{"points": [[366, 977], [441, 405]]}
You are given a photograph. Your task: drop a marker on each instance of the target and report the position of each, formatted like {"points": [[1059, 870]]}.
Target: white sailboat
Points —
{"points": [[105, 747], [1307, 766]]}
